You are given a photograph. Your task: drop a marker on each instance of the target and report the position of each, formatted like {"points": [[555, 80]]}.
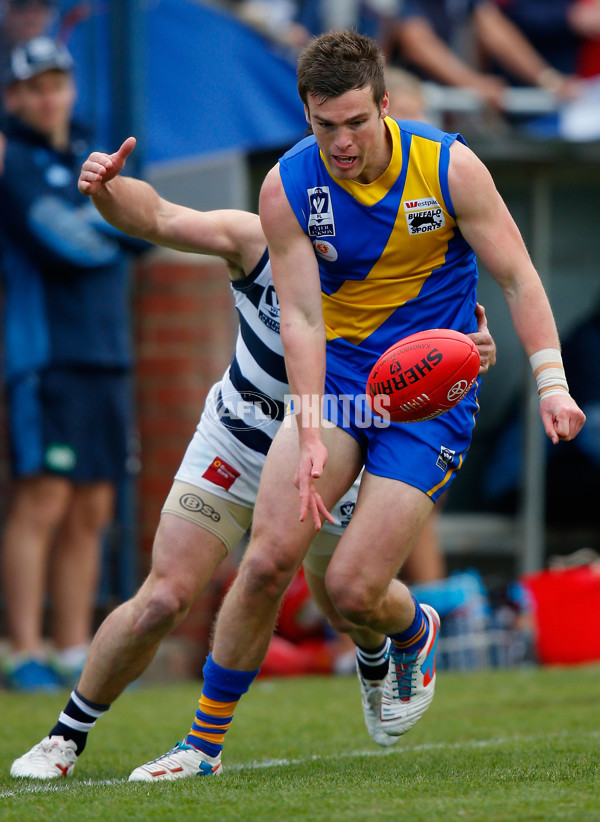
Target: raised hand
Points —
{"points": [[100, 168]]}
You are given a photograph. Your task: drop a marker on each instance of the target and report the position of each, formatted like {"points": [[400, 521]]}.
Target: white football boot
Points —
{"points": [[410, 683], [52, 758], [180, 762], [371, 691]]}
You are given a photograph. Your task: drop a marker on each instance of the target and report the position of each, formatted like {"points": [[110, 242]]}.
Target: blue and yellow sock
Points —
{"points": [[413, 639], [222, 690]]}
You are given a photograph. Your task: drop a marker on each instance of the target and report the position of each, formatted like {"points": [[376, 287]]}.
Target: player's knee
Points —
{"points": [[162, 610], [265, 573], [354, 601]]}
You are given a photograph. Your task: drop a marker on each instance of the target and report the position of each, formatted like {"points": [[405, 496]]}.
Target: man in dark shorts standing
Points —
{"points": [[67, 369]]}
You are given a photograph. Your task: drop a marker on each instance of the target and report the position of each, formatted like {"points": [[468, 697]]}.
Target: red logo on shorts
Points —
{"points": [[221, 473]]}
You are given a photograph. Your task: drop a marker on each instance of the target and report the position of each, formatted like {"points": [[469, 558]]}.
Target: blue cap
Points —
{"points": [[37, 56]]}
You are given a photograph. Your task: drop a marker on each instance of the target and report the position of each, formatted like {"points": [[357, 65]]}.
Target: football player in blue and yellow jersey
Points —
{"points": [[373, 226]]}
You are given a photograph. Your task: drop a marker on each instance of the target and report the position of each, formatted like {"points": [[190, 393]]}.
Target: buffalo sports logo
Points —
{"points": [[423, 215], [320, 213]]}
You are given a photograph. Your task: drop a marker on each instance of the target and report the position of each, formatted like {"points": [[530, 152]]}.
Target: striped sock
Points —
{"points": [[414, 637], [222, 690], [373, 663], [78, 719]]}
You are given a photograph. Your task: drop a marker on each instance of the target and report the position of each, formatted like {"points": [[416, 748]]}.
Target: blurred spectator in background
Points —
{"points": [[67, 371], [407, 98], [367, 16], [584, 18], [293, 22], [277, 19], [439, 39], [556, 28], [21, 20]]}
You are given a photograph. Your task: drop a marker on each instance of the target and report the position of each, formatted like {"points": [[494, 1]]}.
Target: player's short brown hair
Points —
{"points": [[339, 61]]}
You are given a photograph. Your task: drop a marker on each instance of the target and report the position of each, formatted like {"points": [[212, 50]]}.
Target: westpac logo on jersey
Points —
{"points": [[320, 216], [423, 215], [268, 309]]}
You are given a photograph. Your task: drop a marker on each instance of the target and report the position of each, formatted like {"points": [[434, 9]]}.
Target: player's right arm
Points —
{"points": [[135, 207], [298, 286]]}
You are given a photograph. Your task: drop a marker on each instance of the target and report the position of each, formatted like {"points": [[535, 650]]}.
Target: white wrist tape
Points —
{"points": [[547, 367]]}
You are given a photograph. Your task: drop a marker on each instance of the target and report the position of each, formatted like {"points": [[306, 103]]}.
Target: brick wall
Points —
{"points": [[185, 333]]}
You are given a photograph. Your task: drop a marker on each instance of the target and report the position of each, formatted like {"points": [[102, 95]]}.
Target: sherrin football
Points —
{"points": [[424, 375]]}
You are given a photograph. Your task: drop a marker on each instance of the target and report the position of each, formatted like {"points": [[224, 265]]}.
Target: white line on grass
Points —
{"points": [[55, 786]]}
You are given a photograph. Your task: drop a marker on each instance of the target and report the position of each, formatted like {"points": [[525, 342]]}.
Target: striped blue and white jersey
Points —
{"points": [[245, 408], [251, 395]]}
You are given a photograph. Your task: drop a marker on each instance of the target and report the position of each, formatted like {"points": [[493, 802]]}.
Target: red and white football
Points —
{"points": [[424, 375]]}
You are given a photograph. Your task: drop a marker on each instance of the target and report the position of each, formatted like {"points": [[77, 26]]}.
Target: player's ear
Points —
{"points": [[307, 115], [385, 105]]}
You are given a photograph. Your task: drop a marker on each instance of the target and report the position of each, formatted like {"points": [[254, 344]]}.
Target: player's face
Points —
{"points": [[350, 132], [44, 103]]}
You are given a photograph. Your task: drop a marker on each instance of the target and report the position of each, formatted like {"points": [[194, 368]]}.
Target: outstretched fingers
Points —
{"points": [[311, 503]]}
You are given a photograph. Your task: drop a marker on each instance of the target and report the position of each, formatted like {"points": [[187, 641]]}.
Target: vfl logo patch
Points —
{"points": [[320, 214], [346, 511], [445, 458], [423, 215], [268, 309]]}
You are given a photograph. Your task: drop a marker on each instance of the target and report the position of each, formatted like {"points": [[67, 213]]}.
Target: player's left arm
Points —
{"points": [[488, 227]]}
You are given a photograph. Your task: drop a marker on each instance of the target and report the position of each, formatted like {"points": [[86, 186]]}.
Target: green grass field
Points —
{"points": [[504, 745]]}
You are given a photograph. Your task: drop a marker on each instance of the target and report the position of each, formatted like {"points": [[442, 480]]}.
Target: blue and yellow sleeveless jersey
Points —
{"points": [[392, 260]]}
